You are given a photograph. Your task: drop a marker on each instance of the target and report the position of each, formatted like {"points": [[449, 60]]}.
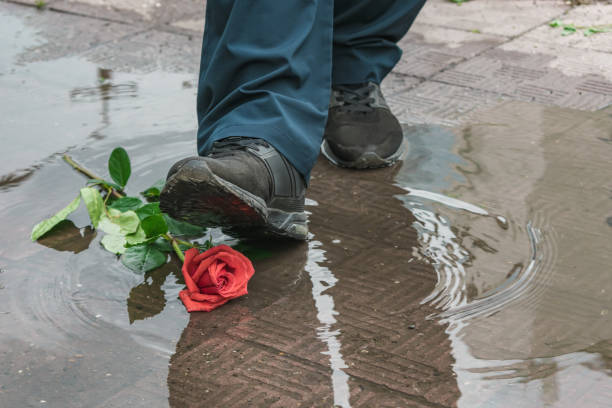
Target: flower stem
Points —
{"points": [[178, 251], [175, 245], [88, 173]]}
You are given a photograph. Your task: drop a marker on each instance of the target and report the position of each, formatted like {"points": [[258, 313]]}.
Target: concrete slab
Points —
{"points": [[438, 103], [395, 83], [428, 49], [583, 16], [149, 51], [539, 72], [279, 356], [49, 35], [195, 25], [502, 17]]}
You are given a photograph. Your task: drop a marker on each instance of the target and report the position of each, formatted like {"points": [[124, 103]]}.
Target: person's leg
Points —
{"points": [[361, 131], [265, 73], [263, 97], [365, 37]]}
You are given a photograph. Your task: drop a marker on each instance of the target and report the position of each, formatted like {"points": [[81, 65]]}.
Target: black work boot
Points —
{"points": [[244, 184], [361, 131]]}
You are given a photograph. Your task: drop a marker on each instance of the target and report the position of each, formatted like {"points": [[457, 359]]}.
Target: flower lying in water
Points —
{"points": [[143, 235], [214, 277]]}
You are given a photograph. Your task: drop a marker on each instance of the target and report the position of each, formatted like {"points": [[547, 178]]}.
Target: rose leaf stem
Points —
{"points": [[88, 173], [175, 246]]}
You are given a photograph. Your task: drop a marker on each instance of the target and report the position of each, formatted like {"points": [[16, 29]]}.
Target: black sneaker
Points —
{"points": [[361, 131], [244, 184]]}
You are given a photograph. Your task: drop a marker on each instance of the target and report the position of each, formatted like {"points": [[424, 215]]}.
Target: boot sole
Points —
{"points": [[368, 160], [209, 200]]}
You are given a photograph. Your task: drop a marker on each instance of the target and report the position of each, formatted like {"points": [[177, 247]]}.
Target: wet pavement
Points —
{"points": [[476, 273]]}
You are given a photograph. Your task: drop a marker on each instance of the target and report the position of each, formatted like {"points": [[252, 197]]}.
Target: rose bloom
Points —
{"points": [[214, 277]]}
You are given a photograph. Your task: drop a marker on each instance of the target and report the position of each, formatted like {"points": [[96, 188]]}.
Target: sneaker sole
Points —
{"points": [[210, 200], [368, 160]]}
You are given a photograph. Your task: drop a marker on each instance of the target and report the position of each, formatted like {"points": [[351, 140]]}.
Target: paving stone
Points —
{"points": [[429, 49], [150, 51], [502, 17], [278, 355], [586, 16], [438, 103], [539, 72], [130, 11], [395, 83], [152, 12], [195, 25], [59, 35]]}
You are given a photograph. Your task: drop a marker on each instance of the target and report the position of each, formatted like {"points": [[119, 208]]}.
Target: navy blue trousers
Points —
{"points": [[267, 66]]}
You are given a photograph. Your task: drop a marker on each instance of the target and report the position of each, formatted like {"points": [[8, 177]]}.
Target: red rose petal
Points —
{"points": [[214, 277], [200, 306]]}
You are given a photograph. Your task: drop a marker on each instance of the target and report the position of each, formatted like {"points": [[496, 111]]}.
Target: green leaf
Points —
{"points": [[114, 243], [143, 258], [147, 210], [137, 237], [155, 189], [154, 225], [95, 205], [128, 221], [555, 23], [165, 246], [45, 226], [126, 203], [568, 29], [108, 226], [180, 228], [104, 183], [119, 166], [596, 30]]}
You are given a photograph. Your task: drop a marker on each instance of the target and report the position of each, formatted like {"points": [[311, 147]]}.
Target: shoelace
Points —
{"points": [[355, 99], [227, 146]]}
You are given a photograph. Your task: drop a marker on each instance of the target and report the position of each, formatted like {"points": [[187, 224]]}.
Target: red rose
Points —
{"points": [[214, 277]]}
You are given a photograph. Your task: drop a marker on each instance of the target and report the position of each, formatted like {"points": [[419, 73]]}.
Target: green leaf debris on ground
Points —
{"points": [[143, 258], [45, 226], [119, 166], [569, 29]]}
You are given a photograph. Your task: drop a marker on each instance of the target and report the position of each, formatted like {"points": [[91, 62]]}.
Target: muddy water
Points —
{"points": [[76, 329], [520, 238]]}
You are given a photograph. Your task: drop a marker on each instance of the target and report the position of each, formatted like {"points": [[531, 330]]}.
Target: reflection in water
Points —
{"points": [[64, 301], [525, 291], [65, 236], [148, 298], [104, 92], [322, 279]]}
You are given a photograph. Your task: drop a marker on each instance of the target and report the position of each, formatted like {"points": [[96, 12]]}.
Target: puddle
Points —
{"points": [[52, 106], [76, 328], [523, 267], [322, 279]]}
